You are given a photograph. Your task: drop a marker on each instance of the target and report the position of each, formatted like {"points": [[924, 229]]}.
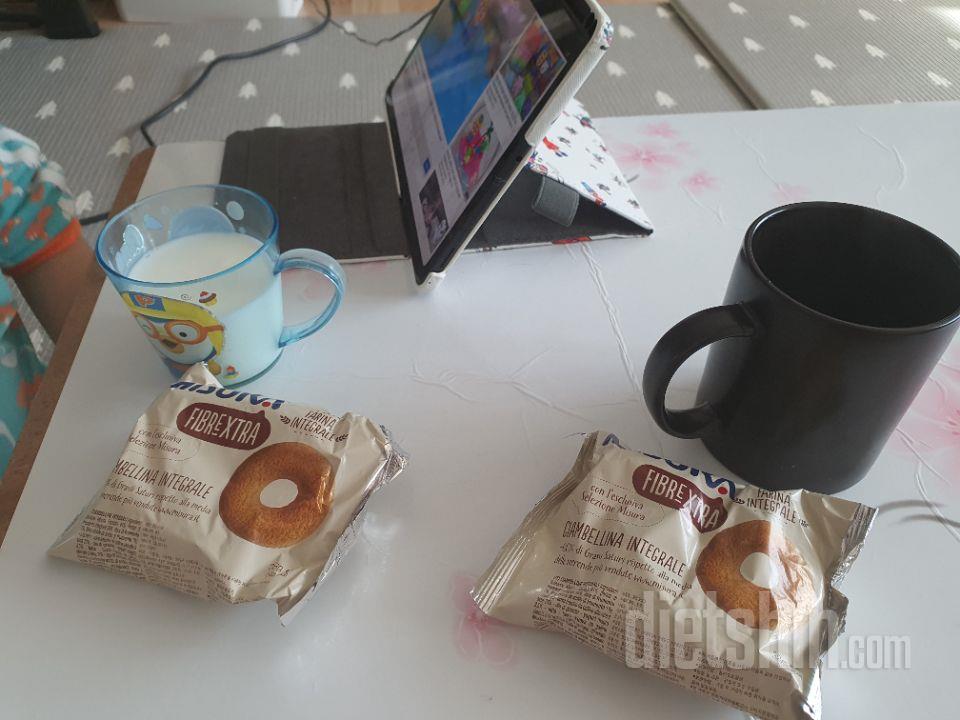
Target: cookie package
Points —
{"points": [[721, 587], [229, 495]]}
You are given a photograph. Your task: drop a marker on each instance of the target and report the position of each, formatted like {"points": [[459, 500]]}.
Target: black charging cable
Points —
{"points": [[230, 57], [381, 41]]}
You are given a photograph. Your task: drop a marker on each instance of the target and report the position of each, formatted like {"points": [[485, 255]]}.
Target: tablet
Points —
{"points": [[474, 96]]}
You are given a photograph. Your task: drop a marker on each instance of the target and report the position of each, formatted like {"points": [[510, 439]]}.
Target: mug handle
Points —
{"points": [[307, 259], [674, 348]]}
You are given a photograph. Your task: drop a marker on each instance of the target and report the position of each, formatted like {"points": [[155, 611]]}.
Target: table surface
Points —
{"points": [[486, 382]]}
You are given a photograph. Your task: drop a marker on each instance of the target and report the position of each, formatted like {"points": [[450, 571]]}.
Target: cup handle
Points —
{"points": [[674, 348], [306, 259]]}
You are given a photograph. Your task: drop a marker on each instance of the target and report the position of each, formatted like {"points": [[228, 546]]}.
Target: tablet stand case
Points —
{"points": [[335, 189]]}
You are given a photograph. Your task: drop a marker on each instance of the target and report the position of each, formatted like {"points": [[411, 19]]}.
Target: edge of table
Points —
{"points": [[65, 350]]}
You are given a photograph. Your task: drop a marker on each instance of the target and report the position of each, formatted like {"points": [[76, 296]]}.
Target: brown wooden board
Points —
{"points": [[45, 401]]}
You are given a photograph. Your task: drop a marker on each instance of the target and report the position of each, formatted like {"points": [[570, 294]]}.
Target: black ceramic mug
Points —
{"points": [[834, 316]]}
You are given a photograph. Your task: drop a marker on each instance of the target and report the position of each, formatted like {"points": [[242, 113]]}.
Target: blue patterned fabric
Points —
{"points": [[36, 221]]}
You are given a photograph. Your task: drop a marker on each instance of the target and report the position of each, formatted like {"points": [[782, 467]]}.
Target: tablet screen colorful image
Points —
{"points": [[531, 67], [434, 215], [475, 148], [464, 46], [462, 96]]}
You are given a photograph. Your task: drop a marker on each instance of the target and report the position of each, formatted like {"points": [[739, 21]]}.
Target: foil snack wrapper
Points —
{"points": [[721, 587], [191, 502]]}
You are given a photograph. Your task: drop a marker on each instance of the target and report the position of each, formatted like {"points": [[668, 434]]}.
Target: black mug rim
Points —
{"points": [[755, 267]]}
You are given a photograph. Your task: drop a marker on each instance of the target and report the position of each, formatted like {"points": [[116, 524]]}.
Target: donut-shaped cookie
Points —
{"points": [[792, 594], [247, 517]]}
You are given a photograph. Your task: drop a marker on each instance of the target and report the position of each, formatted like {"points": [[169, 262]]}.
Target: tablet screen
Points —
{"points": [[475, 76]]}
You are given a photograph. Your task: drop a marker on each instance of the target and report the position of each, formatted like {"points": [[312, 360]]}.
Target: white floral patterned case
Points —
{"points": [[573, 153]]}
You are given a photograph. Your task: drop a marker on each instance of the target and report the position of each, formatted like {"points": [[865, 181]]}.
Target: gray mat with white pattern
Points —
{"points": [[794, 53], [83, 99]]}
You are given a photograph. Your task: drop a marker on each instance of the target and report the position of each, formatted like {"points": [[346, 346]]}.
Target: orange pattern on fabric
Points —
{"points": [[60, 242], [38, 193], [38, 228], [28, 390], [8, 229], [6, 189]]}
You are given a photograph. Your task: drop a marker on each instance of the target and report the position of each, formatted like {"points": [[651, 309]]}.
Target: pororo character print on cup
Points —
{"points": [[184, 333]]}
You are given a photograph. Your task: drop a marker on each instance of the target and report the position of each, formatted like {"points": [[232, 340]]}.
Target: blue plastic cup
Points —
{"points": [[232, 319]]}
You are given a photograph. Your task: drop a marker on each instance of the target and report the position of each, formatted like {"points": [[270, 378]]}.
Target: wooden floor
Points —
{"points": [[106, 11]]}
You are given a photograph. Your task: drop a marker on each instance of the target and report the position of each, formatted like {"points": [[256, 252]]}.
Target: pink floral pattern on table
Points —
{"points": [[478, 636], [930, 434], [699, 182], [655, 157], [931, 427], [660, 129], [649, 158], [785, 193]]}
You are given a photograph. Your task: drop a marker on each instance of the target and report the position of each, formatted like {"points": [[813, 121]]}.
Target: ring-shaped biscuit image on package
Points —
{"points": [[247, 517], [791, 595]]}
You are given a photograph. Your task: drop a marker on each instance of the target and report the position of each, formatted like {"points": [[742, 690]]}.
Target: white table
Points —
{"points": [[485, 382]]}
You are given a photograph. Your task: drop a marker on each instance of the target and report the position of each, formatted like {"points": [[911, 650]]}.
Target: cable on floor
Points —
{"points": [[243, 55], [230, 57]]}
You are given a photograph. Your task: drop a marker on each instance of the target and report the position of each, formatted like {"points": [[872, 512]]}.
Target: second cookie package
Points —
{"points": [[726, 589]]}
